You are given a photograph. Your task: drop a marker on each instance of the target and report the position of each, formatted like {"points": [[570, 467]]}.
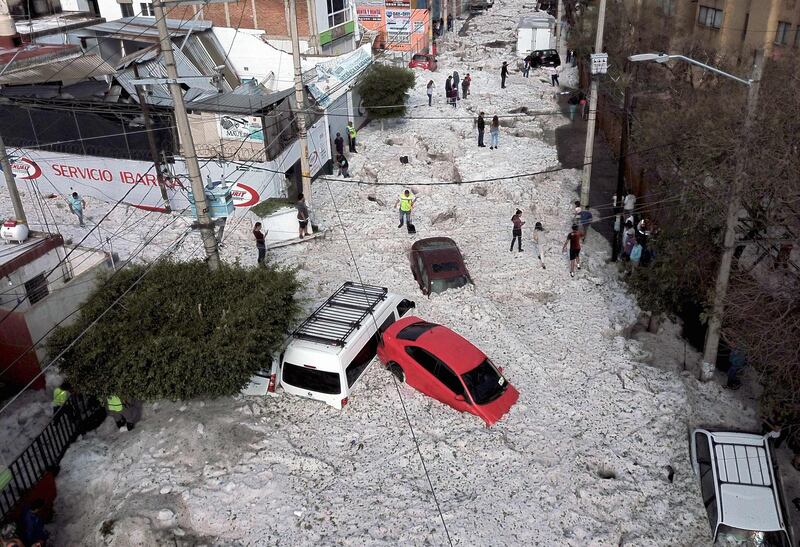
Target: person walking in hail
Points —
{"points": [[455, 82], [302, 215], [76, 205], [538, 237], [406, 203], [261, 242], [553, 72], [465, 83], [448, 87], [481, 124], [351, 137], [516, 231], [430, 87], [494, 133], [503, 75], [574, 242]]}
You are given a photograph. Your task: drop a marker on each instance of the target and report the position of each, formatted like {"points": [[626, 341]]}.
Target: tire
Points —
{"points": [[397, 370]]}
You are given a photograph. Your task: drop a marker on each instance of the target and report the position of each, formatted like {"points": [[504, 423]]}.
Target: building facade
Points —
{"points": [[736, 27]]}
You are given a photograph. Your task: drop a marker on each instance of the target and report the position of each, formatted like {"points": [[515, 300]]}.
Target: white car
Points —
{"points": [[740, 491]]}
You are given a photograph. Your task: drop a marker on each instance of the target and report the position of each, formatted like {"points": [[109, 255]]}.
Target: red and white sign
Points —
{"points": [[135, 183]]}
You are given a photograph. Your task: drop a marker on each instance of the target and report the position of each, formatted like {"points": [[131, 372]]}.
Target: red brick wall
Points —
{"points": [[270, 16]]}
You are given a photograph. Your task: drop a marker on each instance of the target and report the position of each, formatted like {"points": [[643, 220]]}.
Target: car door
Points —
{"points": [[435, 379]]}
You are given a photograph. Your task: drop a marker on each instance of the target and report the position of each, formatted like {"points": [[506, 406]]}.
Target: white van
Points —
{"points": [[740, 488], [329, 352]]}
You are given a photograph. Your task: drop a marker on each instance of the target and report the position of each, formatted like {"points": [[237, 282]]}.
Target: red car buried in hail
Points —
{"points": [[442, 364]]}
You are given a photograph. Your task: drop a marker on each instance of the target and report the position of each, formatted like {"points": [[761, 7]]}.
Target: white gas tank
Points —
{"points": [[14, 231]]}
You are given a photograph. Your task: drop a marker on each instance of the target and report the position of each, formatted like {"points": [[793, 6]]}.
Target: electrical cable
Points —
{"points": [[399, 394]]}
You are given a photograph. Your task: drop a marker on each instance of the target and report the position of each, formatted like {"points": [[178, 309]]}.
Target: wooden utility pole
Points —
{"points": [[204, 222], [731, 221], [151, 140], [587, 155], [11, 184], [299, 98], [616, 244], [559, 15]]}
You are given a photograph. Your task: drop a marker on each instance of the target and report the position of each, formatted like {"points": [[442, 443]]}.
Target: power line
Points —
{"points": [[405, 412]]}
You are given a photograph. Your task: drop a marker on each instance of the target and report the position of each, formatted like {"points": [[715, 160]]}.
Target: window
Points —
{"points": [[147, 10], [338, 12], [782, 36], [36, 288], [437, 368], [360, 361], [484, 383], [710, 17], [425, 359], [311, 379], [127, 10], [707, 485], [386, 324], [415, 330], [404, 306]]}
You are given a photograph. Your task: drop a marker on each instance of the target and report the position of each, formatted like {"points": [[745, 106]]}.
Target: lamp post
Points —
{"points": [[734, 199]]}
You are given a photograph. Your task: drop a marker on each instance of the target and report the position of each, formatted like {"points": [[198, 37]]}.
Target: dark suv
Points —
{"points": [[437, 265], [546, 57]]}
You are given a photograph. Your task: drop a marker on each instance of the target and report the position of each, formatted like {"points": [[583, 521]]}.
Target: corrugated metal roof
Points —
{"points": [[76, 68], [144, 27], [233, 103]]}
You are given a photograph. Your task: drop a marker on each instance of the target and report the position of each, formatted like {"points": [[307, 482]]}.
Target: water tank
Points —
{"points": [[14, 231]]}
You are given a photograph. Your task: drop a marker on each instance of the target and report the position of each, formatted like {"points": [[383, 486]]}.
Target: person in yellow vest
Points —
{"points": [[406, 202], [60, 396], [115, 408], [351, 137]]}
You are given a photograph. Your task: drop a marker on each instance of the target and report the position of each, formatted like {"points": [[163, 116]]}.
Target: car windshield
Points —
{"points": [[484, 383], [445, 267], [419, 58], [441, 285], [728, 535]]}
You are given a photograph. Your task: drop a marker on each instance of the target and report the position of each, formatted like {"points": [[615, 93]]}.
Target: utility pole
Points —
{"points": [[19, 211], [204, 222], [299, 98], [313, 39], [616, 244], [731, 221], [559, 15], [587, 155], [151, 140]]}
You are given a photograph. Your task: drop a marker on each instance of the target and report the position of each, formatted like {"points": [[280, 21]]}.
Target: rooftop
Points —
{"points": [[56, 23], [16, 255]]}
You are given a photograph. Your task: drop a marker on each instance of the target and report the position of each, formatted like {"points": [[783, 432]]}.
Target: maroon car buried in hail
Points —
{"points": [[443, 365]]}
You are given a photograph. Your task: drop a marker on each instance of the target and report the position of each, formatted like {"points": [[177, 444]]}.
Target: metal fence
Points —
{"points": [[78, 415]]}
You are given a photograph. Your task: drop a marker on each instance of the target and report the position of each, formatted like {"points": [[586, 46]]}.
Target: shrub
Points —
{"points": [[384, 85], [182, 332]]}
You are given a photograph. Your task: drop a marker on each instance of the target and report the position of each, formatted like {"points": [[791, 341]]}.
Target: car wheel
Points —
{"points": [[397, 370]]}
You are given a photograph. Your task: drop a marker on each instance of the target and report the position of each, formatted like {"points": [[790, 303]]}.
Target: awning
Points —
{"points": [[71, 68]]}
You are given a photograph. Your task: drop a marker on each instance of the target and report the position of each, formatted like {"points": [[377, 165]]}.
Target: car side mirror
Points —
{"points": [[460, 398]]}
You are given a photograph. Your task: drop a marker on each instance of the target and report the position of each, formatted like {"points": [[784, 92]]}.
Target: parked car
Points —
{"points": [[437, 265], [330, 351], [443, 365], [546, 57], [424, 61], [740, 488]]}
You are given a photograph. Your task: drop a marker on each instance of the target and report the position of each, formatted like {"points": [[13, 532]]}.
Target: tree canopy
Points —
{"points": [[182, 332], [384, 85]]}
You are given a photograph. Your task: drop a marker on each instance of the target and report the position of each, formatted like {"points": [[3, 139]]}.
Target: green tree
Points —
{"points": [[384, 85], [182, 332]]}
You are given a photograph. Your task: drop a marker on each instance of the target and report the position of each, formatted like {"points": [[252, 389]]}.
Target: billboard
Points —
{"points": [[244, 128], [135, 183]]}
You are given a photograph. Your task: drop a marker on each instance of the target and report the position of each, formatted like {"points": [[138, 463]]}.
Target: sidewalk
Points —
{"points": [[571, 144]]}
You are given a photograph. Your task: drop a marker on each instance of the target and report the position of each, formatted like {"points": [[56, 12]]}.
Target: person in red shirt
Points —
{"points": [[574, 242]]}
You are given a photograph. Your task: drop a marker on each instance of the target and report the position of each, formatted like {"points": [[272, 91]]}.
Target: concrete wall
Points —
{"points": [[13, 287]]}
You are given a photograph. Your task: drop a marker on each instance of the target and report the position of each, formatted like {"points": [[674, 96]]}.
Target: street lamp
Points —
{"points": [[734, 204], [664, 57]]}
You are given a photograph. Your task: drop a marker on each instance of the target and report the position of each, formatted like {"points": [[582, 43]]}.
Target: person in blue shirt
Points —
{"points": [[76, 205]]}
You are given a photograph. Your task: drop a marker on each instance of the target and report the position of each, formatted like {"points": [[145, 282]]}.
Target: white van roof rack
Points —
{"points": [[341, 314]]}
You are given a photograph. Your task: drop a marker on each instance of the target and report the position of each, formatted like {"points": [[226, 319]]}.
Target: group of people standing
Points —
{"points": [[451, 87], [439, 25], [338, 143]]}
